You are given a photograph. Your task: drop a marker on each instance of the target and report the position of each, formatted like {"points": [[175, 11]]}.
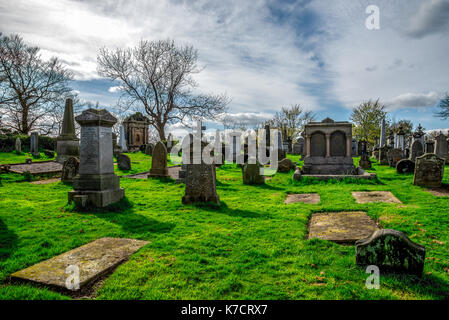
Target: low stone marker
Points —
{"points": [[297, 175], [365, 162], [341, 227], [394, 155], [375, 196], [159, 161], [405, 166], [429, 170], [251, 174], [391, 251], [200, 183], [285, 165], [34, 144], [70, 169], [308, 198], [49, 153], [92, 260], [123, 162], [149, 149]]}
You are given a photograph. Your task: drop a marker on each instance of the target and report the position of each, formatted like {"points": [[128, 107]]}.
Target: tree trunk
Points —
{"points": [[161, 130]]}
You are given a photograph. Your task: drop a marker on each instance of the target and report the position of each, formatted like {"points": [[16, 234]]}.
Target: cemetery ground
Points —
{"points": [[251, 247]]}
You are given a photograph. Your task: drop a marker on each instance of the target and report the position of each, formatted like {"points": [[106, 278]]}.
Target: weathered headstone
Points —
{"points": [[383, 159], [123, 162], [200, 181], [441, 146], [49, 153], [394, 155], [70, 169], [417, 150], [391, 251], [67, 144], [285, 165], [159, 161], [365, 162], [298, 146], [96, 183], [34, 144], [429, 170], [136, 131], [149, 149], [297, 175], [430, 146], [405, 166], [251, 174], [18, 146]]}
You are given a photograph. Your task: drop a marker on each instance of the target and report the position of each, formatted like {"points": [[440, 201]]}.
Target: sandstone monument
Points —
{"points": [[159, 161], [96, 183], [136, 131], [67, 144]]}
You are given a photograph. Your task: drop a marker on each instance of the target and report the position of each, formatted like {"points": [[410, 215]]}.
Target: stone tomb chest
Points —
{"points": [[328, 148]]}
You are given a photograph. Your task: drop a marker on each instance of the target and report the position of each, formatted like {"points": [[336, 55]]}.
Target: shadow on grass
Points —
{"points": [[224, 209], [8, 241], [123, 214]]}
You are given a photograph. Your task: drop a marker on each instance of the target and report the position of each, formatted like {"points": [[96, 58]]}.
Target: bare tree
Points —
{"points": [[158, 75], [29, 87], [293, 118]]}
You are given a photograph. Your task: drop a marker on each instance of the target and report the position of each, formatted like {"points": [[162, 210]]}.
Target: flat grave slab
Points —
{"points": [[40, 167], [439, 192], [173, 172], [341, 227], [93, 260], [309, 198], [46, 181], [375, 196]]}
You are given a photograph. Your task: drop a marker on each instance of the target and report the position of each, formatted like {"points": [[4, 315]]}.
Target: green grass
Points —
{"points": [[140, 162], [252, 247], [13, 157]]}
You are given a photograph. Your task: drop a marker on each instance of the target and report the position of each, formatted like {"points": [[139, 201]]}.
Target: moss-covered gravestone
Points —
{"points": [[405, 166], [70, 169], [391, 251], [123, 162], [159, 161], [251, 174], [429, 170], [200, 180]]}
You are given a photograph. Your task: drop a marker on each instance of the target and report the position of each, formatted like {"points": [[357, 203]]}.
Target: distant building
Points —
{"points": [[136, 130]]}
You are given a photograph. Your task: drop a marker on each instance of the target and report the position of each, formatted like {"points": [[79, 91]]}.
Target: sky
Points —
{"points": [[263, 54]]}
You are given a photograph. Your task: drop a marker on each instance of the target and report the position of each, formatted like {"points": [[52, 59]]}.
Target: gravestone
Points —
{"points": [[96, 183], [383, 151], [200, 181], [67, 144], [136, 131], [441, 146], [70, 169], [149, 149], [123, 162], [383, 134], [430, 147], [417, 150], [159, 161], [251, 174], [286, 165], [298, 146], [169, 142], [18, 146], [429, 170], [365, 162], [297, 175], [405, 166], [393, 156], [122, 140], [34, 144], [391, 251], [49, 153], [115, 147]]}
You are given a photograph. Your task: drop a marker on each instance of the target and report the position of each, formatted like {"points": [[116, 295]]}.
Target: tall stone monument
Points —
{"points": [[159, 161], [96, 183], [122, 140], [34, 144], [383, 134], [67, 144], [136, 131]]}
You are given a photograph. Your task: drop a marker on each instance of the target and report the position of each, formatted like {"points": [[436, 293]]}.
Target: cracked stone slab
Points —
{"points": [[341, 227], [375, 196], [309, 198], [40, 167], [93, 260]]}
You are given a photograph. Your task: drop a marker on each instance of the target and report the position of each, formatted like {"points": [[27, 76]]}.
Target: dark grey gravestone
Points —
{"points": [[318, 145], [429, 170], [49, 153], [391, 251], [405, 166], [430, 146], [34, 144], [383, 159], [365, 162], [394, 155], [96, 183], [297, 175], [149, 149], [417, 150], [159, 161], [338, 144], [200, 181], [70, 169], [251, 174], [123, 162], [441, 146]]}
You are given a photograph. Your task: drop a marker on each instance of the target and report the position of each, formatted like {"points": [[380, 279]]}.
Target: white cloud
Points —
{"points": [[115, 89], [433, 16], [414, 100]]}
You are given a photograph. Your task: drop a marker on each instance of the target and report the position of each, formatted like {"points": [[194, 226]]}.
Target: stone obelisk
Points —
{"points": [[67, 144]]}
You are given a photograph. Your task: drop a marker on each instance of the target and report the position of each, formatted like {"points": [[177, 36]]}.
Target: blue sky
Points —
{"points": [[264, 54]]}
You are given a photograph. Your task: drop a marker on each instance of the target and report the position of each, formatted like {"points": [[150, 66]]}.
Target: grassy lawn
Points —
{"points": [[13, 157], [252, 247]]}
